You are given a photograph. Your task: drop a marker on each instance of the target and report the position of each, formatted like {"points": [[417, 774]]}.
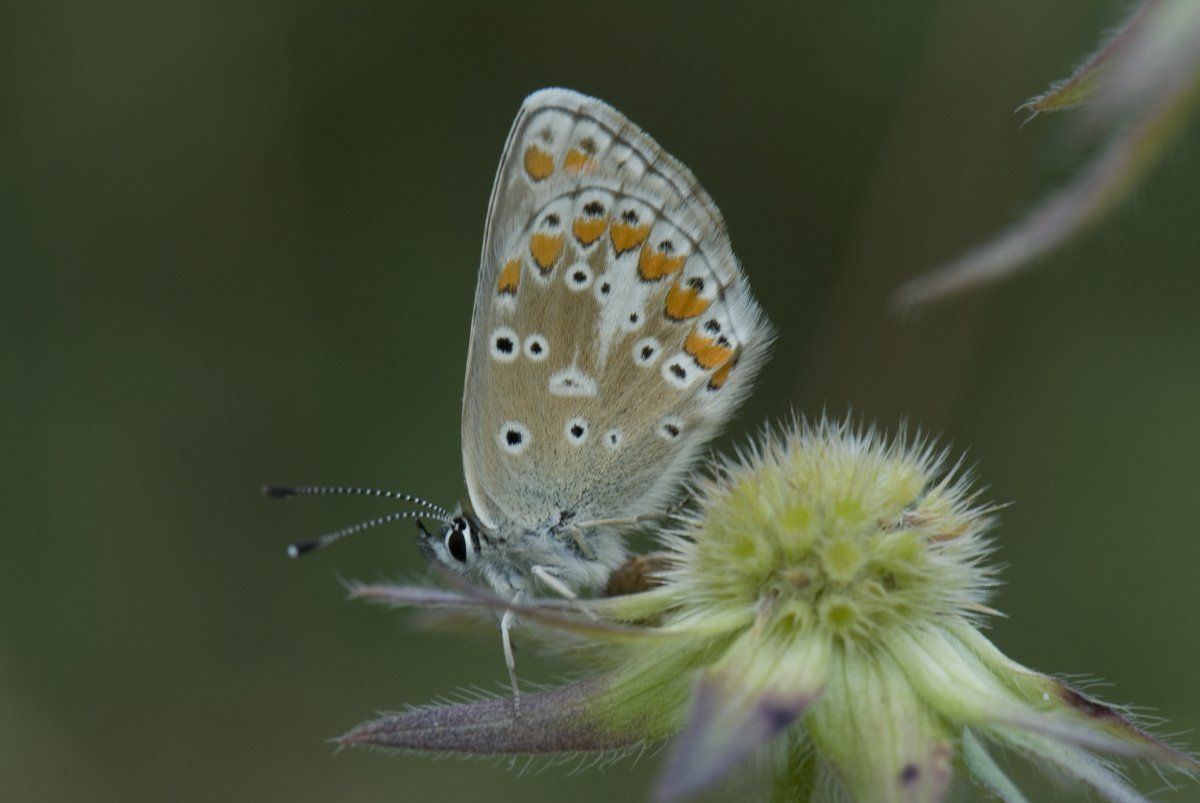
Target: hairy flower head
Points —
{"points": [[829, 531], [818, 609]]}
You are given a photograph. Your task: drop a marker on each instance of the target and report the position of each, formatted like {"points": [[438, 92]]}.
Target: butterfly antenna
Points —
{"points": [[284, 491], [304, 547]]}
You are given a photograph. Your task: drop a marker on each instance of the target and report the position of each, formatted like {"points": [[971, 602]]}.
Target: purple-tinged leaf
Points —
{"points": [[1046, 693], [964, 688], [1151, 85], [1064, 214], [410, 596], [1083, 84], [759, 689], [559, 614], [560, 720]]}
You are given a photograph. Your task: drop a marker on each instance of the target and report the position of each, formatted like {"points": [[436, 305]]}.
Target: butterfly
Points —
{"points": [[613, 334]]}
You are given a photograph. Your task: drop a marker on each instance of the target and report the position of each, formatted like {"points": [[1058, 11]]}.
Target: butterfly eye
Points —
{"points": [[456, 545]]}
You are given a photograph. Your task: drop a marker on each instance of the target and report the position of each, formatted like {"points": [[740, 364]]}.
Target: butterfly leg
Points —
{"points": [[506, 623], [584, 547], [551, 581], [629, 521]]}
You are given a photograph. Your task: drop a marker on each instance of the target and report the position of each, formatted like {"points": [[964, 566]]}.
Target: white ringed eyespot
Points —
{"points": [[537, 347], [513, 437], [576, 430], [504, 344], [646, 351]]}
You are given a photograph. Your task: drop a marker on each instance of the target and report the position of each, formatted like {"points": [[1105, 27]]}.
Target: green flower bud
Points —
{"points": [[818, 611]]}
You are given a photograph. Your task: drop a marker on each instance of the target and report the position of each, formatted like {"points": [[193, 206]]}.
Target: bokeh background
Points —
{"points": [[238, 244]]}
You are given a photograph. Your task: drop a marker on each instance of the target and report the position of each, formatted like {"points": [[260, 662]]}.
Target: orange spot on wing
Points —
{"points": [[510, 277], [538, 163], [707, 352], [653, 265], [626, 237], [546, 249], [684, 301], [722, 375], [588, 229], [576, 161]]}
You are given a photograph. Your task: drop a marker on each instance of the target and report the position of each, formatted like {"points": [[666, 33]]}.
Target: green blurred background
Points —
{"points": [[238, 244]]}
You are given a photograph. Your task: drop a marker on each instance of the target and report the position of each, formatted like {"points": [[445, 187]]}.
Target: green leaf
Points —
{"points": [[885, 743], [1074, 762], [986, 771]]}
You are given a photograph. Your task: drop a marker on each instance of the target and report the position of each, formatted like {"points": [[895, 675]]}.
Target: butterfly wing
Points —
{"points": [[613, 332]]}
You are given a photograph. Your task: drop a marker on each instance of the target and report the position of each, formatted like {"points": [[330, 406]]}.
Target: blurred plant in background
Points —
{"points": [[225, 227], [819, 610], [1139, 89]]}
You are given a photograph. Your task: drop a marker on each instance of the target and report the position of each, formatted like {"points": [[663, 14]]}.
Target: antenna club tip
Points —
{"points": [[301, 548], [278, 491]]}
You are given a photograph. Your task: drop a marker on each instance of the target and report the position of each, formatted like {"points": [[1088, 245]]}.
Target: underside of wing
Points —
{"points": [[613, 331]]}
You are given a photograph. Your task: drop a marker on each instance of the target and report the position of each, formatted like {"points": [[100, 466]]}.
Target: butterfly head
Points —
{"points": [[456, 544]]}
